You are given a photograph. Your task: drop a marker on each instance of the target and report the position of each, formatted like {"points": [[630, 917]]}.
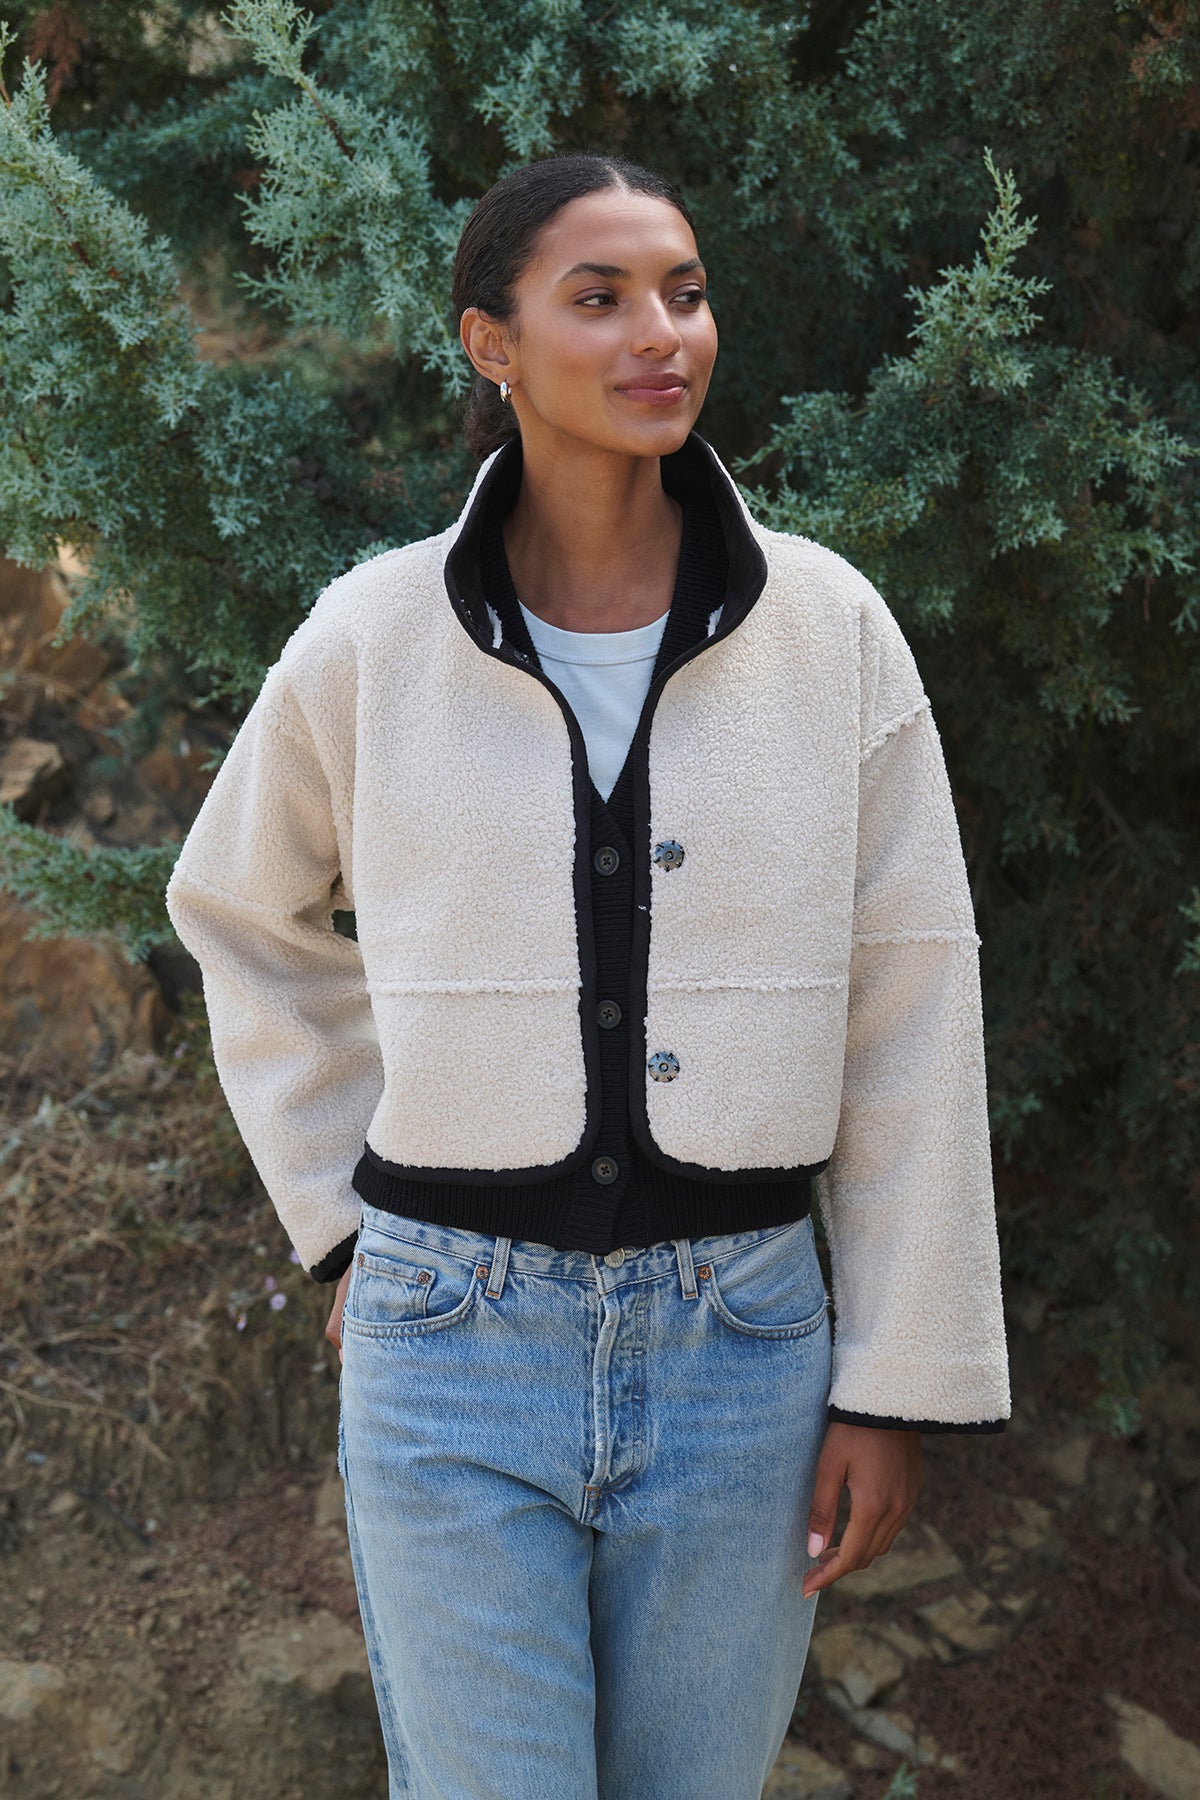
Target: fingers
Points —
{"points": [[883, 1472], [832, 1473], [333, 1325]]}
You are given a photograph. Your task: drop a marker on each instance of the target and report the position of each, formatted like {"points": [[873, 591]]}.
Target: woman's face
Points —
{"points": [[614, 341]]}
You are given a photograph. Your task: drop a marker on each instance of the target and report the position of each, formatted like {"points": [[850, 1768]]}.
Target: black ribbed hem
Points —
{"points": [[883, 1423], [334, 1264], [548, 1212]]}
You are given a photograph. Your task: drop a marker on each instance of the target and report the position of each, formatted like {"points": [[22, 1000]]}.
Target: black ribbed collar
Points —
{"points": [[729, 577]]}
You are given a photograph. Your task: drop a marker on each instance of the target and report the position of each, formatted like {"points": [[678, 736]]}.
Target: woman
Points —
{"points": [[663, 927]]}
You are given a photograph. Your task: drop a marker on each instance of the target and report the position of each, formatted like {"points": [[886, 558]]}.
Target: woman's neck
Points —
{"points": [[593, 540]]}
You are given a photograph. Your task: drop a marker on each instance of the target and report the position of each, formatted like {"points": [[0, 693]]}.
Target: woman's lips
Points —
{"points": [[660, 393]]}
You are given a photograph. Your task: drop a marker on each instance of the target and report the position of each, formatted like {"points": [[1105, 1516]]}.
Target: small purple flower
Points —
{"points": [[293, 1256], [278, 1302], [241, 1321], [270, 1283]]}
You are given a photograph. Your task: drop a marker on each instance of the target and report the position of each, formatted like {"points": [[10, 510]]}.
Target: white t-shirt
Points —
{"points": [[604, 677]]}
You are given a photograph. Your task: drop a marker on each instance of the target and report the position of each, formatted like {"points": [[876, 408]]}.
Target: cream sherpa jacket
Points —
{"points": [[811, 964]]}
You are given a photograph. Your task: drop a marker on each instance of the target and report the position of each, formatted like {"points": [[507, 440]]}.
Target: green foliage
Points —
{"points": [[903, 1785], [1000, 429], [1033, 524], [81, 892]]}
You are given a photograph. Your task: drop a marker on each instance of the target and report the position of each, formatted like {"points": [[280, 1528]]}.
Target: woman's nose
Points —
{"points": [[656, 328]]}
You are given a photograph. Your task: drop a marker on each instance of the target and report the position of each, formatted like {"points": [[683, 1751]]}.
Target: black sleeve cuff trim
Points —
{"points": [[837, 1416], [334, 1265]]}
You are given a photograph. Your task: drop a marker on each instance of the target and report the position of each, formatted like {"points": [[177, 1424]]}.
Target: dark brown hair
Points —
{"points": [[499, 241]]}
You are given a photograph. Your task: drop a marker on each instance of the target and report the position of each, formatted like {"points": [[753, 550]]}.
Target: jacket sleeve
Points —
{"points": [[293, 1035], [906, 1199]]}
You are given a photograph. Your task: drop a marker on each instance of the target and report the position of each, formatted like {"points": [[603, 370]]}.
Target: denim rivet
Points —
{"points": [[359, 1259], [482, 1270], [704, 1271], [424, 1276]]}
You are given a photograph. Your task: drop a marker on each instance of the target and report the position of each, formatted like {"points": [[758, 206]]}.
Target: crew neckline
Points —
{"points": [[594, 647]]}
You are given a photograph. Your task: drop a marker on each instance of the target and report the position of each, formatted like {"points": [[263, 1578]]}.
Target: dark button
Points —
{"points": [[668, 854], [609, 1014], [607, 860], [663, 1066], [604, 1170]]}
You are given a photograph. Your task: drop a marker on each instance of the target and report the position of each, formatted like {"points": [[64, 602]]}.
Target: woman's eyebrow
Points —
{"points": [[610, 272]]}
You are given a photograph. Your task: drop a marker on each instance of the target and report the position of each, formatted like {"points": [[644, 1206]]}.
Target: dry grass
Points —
{"points": [[154, 1333]]}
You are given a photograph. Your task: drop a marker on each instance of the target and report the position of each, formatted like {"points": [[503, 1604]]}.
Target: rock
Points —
{"points": [[32, 603], [858, 1659], [32, 773], [1035, 1526], [74, 1003], [30, 1691], [905, 1643], [868, 1756], [801, 1774], [960, 1619], [297, 1712], [1068, 1461], [890, 1730], [319, 1657], [64, 1503], [64, 1731], [1157, 1755], [921, 1554]]}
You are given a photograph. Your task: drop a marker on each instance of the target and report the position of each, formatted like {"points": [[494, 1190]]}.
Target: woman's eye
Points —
{"points": [[592, 299], [693, 296]]}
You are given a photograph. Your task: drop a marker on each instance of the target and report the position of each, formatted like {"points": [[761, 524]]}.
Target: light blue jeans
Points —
{"points": [[577, 1492]]}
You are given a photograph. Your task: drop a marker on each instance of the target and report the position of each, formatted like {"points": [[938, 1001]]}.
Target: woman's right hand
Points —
{"points": [[333, 1330]]}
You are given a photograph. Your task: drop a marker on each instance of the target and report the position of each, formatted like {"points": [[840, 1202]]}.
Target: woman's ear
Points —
{"points": [[486, 343]]}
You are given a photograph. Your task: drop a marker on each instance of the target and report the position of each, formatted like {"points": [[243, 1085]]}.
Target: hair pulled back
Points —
{"points": [[499, 241]]}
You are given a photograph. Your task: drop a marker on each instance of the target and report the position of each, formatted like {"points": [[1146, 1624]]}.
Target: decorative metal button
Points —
{"points": [[605, 1170], [607, 860], [668, 854], [609, 1014], [615, 1258], [663, 1066]]}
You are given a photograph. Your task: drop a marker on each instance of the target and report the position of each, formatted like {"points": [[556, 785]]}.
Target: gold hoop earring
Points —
{"points": [[505, 391]]}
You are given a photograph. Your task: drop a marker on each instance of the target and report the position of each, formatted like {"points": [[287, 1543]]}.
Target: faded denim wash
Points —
{"points": [[577, 1492]]}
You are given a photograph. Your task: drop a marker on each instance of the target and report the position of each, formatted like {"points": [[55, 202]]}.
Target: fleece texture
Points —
{"points": [[812, 964]]}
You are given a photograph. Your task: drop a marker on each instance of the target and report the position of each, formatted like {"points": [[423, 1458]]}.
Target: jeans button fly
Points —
{"points": [[615, 1258]]}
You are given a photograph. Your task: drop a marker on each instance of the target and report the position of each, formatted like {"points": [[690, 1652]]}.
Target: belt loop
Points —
{"points": [[687, 1274], [495, 1286]]}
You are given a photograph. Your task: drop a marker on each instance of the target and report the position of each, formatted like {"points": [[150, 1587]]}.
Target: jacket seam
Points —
{"points": [[891, 726], [760, 984], [486, 985], [182, 879], [934, 935]]}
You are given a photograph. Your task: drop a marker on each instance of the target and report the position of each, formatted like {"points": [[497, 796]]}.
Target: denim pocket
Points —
{"points": [[405, 1290], [770, 1288]]}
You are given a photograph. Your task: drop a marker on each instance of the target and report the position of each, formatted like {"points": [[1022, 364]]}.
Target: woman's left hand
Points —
{"points": [[882, 1469]]}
